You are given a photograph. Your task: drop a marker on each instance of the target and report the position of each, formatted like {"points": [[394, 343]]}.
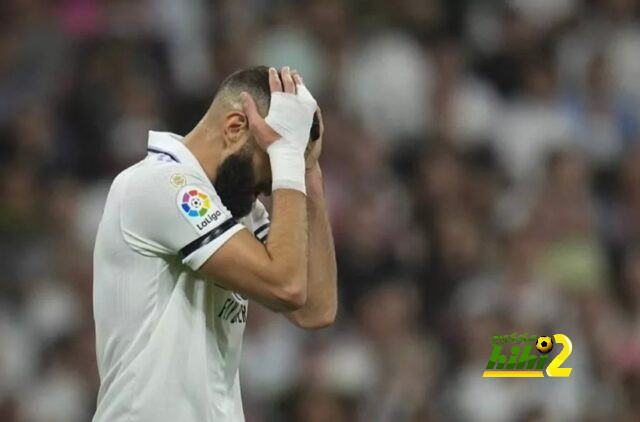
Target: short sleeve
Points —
{"points": [[174, 211]]}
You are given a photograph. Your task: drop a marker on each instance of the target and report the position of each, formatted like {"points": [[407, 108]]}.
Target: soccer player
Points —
{"points": [[184, 243]]}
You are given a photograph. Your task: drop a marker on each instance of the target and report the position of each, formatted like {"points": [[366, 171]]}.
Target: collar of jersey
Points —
{"points": [[171, 144]]}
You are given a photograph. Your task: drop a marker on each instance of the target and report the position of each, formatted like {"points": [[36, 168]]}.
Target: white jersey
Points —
{"points": [[168, 341]]}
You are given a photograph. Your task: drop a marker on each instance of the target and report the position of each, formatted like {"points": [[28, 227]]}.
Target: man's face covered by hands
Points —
{"points": [[246, 174]]}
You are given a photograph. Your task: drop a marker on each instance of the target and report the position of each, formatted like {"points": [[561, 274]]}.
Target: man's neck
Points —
{"points": [[199, 141]]}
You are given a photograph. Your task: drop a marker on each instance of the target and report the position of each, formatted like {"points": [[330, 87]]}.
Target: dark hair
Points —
{"points": [[255, 81]]}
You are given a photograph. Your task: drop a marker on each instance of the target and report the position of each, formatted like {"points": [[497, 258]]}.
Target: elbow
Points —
{"points": [[322, 321], [327, 318], [292, 296], [317, 322]]}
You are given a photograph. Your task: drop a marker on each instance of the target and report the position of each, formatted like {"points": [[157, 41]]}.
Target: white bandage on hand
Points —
{"points": [[291, 116]]}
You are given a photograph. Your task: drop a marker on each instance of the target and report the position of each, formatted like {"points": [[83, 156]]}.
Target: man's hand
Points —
{"points": [[270, 129], [264, 134], [284, 133]]}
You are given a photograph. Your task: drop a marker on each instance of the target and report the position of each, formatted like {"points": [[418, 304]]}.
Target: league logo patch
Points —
{"points": [[198, 208], [195, 203]]}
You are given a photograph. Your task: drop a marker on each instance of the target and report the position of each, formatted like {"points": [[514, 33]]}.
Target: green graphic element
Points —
{"points": [[513, 338], [499, 361]]}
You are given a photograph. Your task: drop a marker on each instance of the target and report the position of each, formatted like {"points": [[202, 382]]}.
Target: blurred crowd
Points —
{"points": [[482, 168]]}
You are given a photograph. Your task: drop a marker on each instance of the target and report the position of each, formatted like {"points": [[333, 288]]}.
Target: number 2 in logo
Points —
{"points": [[554, 370]]}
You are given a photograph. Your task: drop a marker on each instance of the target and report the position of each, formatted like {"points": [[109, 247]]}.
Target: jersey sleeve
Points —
{"points": [[175, 211]]}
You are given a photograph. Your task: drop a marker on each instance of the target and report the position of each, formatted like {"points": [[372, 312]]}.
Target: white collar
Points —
{"points": [[172, 145]]}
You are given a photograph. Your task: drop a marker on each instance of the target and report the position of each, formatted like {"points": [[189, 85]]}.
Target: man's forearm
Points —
{"points": [[321, 306], [288, 238]]}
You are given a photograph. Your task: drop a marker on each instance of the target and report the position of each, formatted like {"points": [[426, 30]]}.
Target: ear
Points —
{"points": [[235, 131]]}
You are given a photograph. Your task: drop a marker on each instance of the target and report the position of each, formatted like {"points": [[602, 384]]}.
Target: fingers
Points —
{"points": [[250, 108], [296, 77], [274, 80], [287, 80], [301, 89]]}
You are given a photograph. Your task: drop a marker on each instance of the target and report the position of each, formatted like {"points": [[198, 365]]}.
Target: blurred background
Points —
{"points": [[482, 167]]}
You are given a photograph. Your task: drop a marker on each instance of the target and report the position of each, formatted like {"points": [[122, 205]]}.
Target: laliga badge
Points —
{"points": [[196, 206]]}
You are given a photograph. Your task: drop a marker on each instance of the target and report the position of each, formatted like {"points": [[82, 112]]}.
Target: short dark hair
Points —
{"points": [[255, 81]]}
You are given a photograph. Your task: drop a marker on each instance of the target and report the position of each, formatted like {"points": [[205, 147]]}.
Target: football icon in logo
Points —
{"points": [[544, 344], [195, 203]]}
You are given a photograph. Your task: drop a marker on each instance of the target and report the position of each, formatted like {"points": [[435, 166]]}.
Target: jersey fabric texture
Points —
{"points": [[168, 341]]}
